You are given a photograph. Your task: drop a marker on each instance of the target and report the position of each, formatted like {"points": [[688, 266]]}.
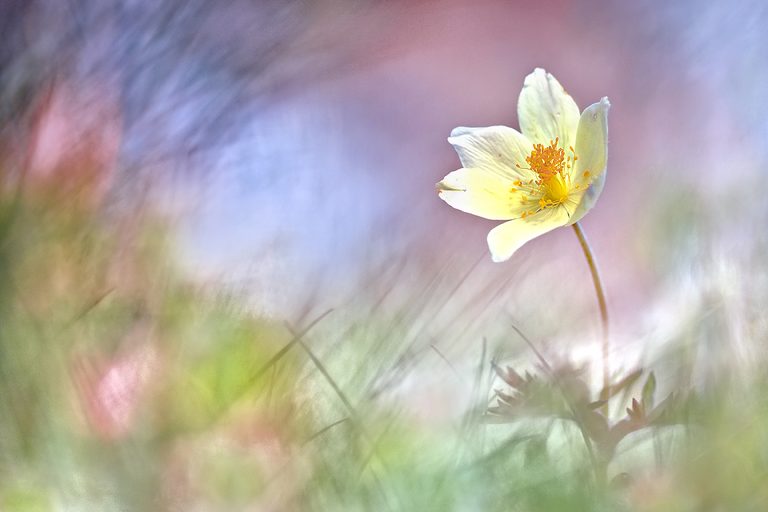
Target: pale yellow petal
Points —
{"points": [[496, 149], [546, 111], [481, 193], [592, 151], [506, 238], [592, 141], [588, 199]]}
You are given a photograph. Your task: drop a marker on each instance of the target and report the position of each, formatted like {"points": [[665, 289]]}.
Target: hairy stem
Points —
{"points": [[601, 304]]}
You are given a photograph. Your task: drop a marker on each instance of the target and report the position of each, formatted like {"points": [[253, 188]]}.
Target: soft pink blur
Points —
{"points": [[322, 185]]}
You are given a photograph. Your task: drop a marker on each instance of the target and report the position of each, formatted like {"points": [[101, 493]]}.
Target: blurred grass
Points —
{"points": [[123, 386]]}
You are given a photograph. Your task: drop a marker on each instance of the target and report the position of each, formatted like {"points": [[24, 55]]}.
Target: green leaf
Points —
{"points": [[622, 385], [649, 389]]}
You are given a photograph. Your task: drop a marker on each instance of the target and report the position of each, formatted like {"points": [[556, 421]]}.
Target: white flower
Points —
{"points": [[546, 177]]}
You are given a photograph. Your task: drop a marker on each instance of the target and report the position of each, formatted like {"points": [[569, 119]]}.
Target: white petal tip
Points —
{"points": [[458, 132], [497, 255], [499, 259], [597, 110], [533, 75]]}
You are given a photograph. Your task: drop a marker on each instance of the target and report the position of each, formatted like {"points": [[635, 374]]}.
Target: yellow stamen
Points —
{"points": [[551, 166], [551, 185], [547, 161]]}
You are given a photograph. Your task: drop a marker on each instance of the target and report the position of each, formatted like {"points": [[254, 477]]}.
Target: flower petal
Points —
{"points": [[506, 238], [592, 140], [546, 111], [592, 150], [480, 193], [588, 199], [496, 149]]}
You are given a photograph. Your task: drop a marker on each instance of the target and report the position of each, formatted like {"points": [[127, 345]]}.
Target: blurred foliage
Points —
{"points": [[124, 386]]}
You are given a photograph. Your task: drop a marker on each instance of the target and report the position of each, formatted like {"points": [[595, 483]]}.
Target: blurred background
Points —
{"points": [[189, 186]]}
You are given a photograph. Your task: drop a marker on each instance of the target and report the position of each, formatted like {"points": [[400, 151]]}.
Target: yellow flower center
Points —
{"points": [[547, 161], [552, 185], [555, 191]]}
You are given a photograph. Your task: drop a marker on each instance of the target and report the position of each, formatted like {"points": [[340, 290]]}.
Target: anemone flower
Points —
{"points": [[546, 177]]}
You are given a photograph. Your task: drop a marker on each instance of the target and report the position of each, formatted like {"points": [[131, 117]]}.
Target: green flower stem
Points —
{"points": [[602, 305]]}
